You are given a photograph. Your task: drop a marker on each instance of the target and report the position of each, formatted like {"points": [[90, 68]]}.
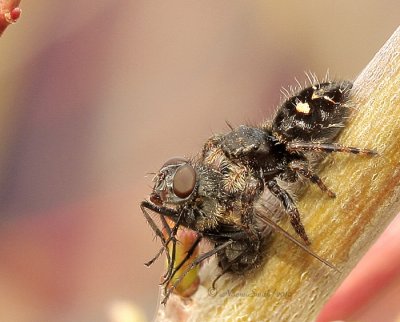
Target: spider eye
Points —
{"points": [[184, 181]]}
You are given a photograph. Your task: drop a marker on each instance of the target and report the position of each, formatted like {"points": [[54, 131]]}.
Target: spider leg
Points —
{"points": [[289, 207], [302, 169], [280, 230], [326, 147]]}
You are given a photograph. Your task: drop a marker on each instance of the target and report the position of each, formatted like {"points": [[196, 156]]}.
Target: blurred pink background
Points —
{"points": [[96, 95]]}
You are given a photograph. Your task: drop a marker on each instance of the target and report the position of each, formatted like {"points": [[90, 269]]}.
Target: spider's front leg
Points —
{"points": [[327, 148]]}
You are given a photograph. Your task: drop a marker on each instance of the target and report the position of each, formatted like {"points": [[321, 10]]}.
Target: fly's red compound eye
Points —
{"points": [[184, 181]]}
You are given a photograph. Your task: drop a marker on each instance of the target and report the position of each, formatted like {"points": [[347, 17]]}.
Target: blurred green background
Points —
{"points": [[96, 95]]}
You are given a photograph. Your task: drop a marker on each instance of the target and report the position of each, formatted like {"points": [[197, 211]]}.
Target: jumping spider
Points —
{"points": [[220, 193]]}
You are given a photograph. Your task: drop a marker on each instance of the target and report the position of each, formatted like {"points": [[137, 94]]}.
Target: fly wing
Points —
{"points": [[262, 214]]}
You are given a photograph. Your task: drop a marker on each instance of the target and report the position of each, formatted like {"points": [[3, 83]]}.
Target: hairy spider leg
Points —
{"points": [[302, 168], [290, 208], [327, 147]]}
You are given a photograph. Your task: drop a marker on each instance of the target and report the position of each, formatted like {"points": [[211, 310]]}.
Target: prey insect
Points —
{"points": [[220, 194]]}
